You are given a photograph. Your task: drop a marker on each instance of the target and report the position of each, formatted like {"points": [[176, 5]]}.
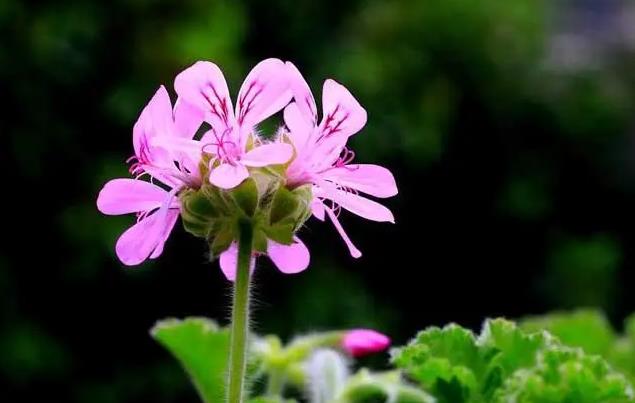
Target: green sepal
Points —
{"points": [[197, 213], [245, 196], [197, 228], [224, 235], [281, 233], [200, 206], [304, 194], [260, 240], [283, 205], [275, 211], [214, 194]]}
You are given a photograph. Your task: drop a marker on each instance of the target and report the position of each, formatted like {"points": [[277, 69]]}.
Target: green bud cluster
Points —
{"points": [[274, 211]]}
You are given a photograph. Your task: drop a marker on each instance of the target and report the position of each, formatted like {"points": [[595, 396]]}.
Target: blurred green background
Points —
{"points": [[508, 125]]}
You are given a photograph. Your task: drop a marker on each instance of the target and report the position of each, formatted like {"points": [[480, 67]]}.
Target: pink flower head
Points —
{"points": [[289, 259], [156, 206], [264, 92], [323, 160], [361, 342]]}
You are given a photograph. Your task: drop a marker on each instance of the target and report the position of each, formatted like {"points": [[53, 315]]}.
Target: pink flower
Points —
{"points": [[361, 342], [157, 207], [264, 92], [323, 160], [289, 259]]}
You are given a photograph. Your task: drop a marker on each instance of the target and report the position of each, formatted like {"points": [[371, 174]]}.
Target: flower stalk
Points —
{"points": [[240, 314]]}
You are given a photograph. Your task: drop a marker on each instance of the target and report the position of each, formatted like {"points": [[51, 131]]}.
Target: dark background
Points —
{"points": [[508, 126]]}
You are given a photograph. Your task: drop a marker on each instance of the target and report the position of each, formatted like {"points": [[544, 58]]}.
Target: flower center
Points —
{"points": [[224, 149]]}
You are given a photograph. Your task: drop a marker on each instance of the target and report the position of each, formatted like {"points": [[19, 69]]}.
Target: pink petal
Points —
{"points": [[203, 85], [268, 154], [342, 114], [123, 196], [155, 121], [302, 95], [372, 179], [299, 129], [186, 151], [360, 342], [363, 207], [229, 261], [326, 152], [264, 92], [317, 208], [160, 108], [289, 259], [187, 118], [351, 247], [170, 221], [138, 242], [228, 176]]}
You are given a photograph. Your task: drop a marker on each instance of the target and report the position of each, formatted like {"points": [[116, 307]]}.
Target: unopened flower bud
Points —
{"points": [[360, 342]]}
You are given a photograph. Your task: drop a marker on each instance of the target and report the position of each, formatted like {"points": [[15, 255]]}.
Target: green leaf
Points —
{"points": [[566, 375], [505, 349], [507, 364], [444, 361], [585, 328], [629, 327], [590, 330], [622, 353], [202, 348]]}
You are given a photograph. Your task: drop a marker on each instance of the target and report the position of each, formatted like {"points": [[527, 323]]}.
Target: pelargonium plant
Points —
{"points": [[203, 159], [245, 195]]}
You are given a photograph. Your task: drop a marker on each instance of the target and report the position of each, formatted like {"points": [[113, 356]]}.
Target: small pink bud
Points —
{"points": [[360, 342]]}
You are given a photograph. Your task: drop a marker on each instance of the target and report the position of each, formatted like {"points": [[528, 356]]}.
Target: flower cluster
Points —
{"points": [[203, 159]]}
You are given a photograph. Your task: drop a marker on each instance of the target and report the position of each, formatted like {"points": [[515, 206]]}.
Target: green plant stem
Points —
{"points": [[240, 315], [275, 383]]}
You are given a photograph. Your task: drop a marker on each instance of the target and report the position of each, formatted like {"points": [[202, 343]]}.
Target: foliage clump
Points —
{"points": [[559, 358]]}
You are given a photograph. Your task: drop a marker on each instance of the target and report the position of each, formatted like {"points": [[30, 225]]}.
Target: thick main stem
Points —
{"points": [[240, 315]]}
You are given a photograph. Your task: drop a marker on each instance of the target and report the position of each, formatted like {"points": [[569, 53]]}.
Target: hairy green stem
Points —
{"points": [[240, 315]]}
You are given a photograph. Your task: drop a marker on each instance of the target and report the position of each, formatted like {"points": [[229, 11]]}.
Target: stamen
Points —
{"points": [[351, 247], [223, 146], [346, 158], [334, 207]]}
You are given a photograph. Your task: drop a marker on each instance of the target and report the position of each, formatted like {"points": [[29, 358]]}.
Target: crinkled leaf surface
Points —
{"points": [[590, 330], [504, 363], [585, 328], [566, 375]]}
